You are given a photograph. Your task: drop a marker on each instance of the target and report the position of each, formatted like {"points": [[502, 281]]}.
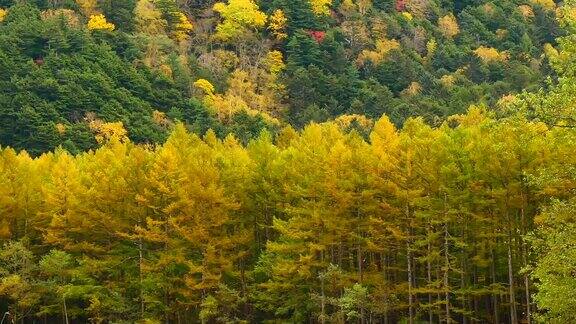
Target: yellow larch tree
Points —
{"points": [[19, 194], [183, 28], [205, 86], [238, 16], [449, 26], [489, 54], [275, 62], [277, 25], [64, 195]]}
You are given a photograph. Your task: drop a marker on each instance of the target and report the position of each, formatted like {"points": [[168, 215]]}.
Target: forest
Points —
{"points": [[287, 161]]}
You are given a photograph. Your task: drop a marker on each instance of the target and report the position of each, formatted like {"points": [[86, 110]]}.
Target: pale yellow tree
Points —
{"points": [[148, 18], [449, 26], [527, 11], [489, 54], [364, 6]]}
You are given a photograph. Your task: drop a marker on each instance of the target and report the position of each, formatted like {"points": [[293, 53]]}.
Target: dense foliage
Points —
{"points": [[287, 161], [425, 223], [67, 63]]}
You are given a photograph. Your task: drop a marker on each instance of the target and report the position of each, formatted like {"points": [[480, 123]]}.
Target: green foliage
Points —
{"points": [[554, 244]]}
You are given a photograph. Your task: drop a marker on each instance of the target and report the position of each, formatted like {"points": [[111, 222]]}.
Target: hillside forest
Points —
{"points": [[287, 161]]}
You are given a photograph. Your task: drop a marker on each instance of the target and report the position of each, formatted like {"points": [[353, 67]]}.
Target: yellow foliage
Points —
{"points": [[105, 132], [160, 118], [345, 121], [238, 16], [448, 80], [551, 52], [225, 106], [378, 28], [205, 86], [431, 47], [5, 233], [183, 27], [166, 70], [489, 54], [88, 7], [149, 19], [364, 6], [408, 16], [242, 95], [413, 89], [321, 7], [277, 25], [3, 13], [506, 100], [383, 47], [418, 8], [449, 26], [488, 8], [567, 15], [526, 11], [275, 62], [546, 4], [60, 128], [98, 22]]}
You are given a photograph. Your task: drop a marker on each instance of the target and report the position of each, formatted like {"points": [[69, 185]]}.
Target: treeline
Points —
{"points": [[342, 222], [241, 66]]}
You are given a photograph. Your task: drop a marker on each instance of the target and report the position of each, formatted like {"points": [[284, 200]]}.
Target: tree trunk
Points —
{"points": [[360, 257], [410, 300], [140, 275], [385, 275], [513, 314], [65, 312], [429, 273], [494, 297], [446, 272], [525, 262], [323, 300]]}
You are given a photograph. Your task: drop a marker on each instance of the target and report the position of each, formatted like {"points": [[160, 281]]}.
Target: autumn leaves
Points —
{"points": [[322, 224]]}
